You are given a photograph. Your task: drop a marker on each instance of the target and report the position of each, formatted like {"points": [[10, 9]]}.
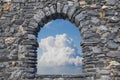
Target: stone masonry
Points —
{"points": [[97, 20]]}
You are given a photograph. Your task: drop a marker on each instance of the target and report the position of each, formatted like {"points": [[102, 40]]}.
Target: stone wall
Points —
{"points": [[97, 20]]}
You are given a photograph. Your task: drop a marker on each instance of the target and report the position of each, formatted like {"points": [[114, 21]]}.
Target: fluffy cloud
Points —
{"points": [[58, 51]]}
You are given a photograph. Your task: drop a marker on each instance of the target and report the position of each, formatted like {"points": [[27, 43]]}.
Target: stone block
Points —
{"points": [[17, 1], [115, 54], [65, 9], [111, 2], [4, 58], [31, 36], [40, 15], [104, 72], [31, 55], [30, 42], [92, 13], [31, 70], [112, 45], [9, 40], [2, 66], [30, 76], [79, 17], [96, 50], [47, 11], [71, 12], [59, 6], [114, 19], [95, 20], [52, 9]]}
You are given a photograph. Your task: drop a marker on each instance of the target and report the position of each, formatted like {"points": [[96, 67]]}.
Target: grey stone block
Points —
{"points": [[65, 9], [111, 2], [79, 17], [113, 54], [112, 45], [71, 12]]}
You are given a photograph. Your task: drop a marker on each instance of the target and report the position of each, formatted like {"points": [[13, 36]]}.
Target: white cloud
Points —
{"points": [[58, 51]]}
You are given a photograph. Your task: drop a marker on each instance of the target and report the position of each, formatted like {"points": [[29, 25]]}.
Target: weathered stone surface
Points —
{"points": [[9, 40], [98, 22], [71, 11], [30, 36], [18, 1], [4, 59], [92, 13], [113, 54], [95, 20], [114, 19], [111, 2], [65, 8], [96, 50], [39, 16], [112, 45], [105, 72], [79, 17], [2, 66]]}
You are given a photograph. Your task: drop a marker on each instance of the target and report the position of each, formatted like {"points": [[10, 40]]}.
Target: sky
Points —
{"points": [[59, 49]]}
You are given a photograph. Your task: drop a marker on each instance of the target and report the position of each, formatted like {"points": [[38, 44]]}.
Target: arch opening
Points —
{"points": [[59, 51]]}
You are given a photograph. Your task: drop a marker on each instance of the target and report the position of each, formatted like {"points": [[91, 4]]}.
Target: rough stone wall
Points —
{"points": [[97, 20]]}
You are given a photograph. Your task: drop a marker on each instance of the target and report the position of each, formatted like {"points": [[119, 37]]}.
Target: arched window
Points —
{"points": [[59, 51]]}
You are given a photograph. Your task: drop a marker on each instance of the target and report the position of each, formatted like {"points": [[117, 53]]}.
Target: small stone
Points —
{"points": [[12, 30], [70, 3], [30, 76], [17, 1], [65, 9], [104, 7], [13, 57], [83, 3], [22, 48], [111, 2], [101, 14], [79, 17], [114, 63], [104, 72], [2, 46], [112, 45], [52, 9], [40, 15], [96, 50], [18, 21], [71, 12], [113, 54], [117, 39], [47, 11], [105, 77], [9, 40], [2, 66], [6, 7], [31, 36], [93, 6], [93, 13], [4, 59], [59, 7], [103, 27], [95, 20], [114, 19]]}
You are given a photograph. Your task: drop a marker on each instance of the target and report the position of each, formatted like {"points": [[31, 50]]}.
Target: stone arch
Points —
{"points": [[74, 14], [98, 22]]}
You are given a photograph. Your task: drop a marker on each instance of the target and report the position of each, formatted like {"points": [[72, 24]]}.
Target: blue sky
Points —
{"points": [[59, 32]]}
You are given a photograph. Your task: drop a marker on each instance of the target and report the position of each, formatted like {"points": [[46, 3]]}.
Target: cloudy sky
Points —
{"points": [[59, 49]]}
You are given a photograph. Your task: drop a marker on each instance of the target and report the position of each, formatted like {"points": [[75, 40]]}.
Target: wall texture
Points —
{"points": [[97, 20]]}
